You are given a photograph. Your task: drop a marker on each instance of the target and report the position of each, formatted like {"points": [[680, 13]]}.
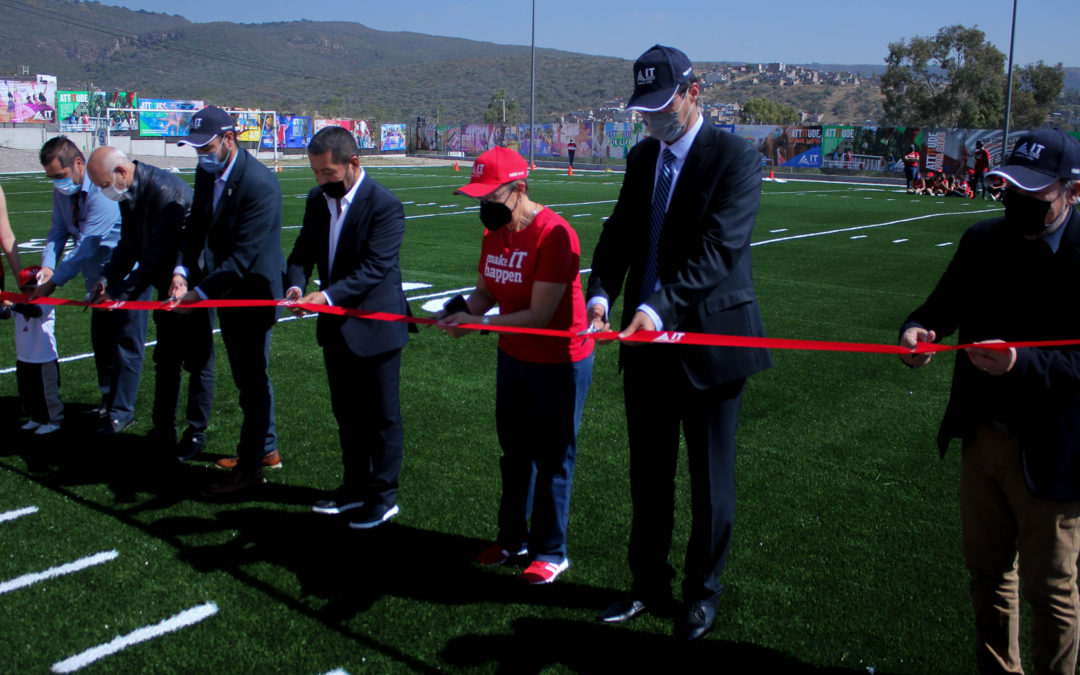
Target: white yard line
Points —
{"points": [[58, 571], [17, 513], [867, 227], [188, 617]]}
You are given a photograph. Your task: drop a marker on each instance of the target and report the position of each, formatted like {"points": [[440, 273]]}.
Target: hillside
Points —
{"points": [[301, 67], [343, 69]]}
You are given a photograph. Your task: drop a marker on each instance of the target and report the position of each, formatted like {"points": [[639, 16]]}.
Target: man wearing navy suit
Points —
{"points": [[233, 237], [353, 228], [679, 238]]}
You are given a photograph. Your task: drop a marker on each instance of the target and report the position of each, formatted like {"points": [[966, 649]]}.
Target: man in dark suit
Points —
{"points": [[233, 236], [353, 228], [679, 237], [1017, 411], [153, 207]]}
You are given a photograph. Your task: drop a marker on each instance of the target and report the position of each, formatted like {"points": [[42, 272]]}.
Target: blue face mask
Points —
{"points": [[66, 186], [211, 163]]}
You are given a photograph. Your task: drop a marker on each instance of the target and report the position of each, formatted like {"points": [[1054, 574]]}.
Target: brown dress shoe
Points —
{"points": [[269, 461], [236, 481]]}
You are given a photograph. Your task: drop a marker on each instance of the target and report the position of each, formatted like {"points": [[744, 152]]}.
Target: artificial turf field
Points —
{"points": [[846, 553]]}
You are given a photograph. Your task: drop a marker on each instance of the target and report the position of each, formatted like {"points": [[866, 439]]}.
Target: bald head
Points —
{"points": [[109, 166]]}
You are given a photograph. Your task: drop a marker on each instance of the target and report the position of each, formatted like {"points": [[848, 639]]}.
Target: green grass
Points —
{"points": [[846, 551]]}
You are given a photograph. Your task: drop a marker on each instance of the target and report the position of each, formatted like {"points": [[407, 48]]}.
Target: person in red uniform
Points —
{"points": [[911, 166], [529, 266], [571, 148]]}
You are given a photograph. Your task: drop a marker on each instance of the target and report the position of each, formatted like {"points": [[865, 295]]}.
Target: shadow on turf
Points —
{"points": [[538, 644]]}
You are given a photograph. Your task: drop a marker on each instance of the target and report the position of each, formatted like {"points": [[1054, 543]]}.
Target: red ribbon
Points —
{"points": [[641, 336]]}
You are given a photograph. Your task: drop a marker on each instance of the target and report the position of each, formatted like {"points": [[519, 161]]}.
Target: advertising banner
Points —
{"points": [[73, 108], [426, 136], [837, 146], [120, 123], [248, 126], [450, 137], [362, 133], [166, 117], [392, 137], [935, 149], [28, 100], [474, 138], [544, 140], [344, 124], [613, 140]]}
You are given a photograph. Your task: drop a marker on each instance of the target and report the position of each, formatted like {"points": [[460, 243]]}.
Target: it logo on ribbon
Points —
{"points": [[669, 337]]}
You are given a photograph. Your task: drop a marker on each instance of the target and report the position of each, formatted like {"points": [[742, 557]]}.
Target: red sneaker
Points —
{"points": [[541, 572], [497, 555]]}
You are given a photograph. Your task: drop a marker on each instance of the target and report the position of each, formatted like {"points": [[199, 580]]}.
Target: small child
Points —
{"points": [[37, 368]]}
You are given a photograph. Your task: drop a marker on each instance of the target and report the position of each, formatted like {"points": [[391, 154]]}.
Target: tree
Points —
{"points": [[957, 79], [954, 79], [1035, 90], [766, 111], [494, 112]]}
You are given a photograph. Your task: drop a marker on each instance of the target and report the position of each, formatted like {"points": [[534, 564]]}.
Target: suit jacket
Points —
{"points": [[999, 285], [234, 250], [706, 283], [366, 274], [152, 223]]}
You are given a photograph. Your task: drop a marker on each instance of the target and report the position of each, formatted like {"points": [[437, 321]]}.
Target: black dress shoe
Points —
{"points": [[622, 611], [697, 622], [191, 446]]}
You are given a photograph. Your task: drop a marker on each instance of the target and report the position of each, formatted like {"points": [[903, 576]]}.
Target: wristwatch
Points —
{"points": [[486, 320]]}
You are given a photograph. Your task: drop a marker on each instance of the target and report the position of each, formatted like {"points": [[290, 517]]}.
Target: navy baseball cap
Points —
{"points": [[657, 76], [1040, 158], [209, 122]]}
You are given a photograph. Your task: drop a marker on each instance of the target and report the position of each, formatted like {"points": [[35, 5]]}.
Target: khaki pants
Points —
{"points": [[1006, 529]]}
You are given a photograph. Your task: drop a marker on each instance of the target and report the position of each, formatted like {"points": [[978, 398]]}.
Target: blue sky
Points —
{"points": [[839, 31]]}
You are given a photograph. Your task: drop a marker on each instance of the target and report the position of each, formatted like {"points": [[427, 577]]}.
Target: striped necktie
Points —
{"points": [[656, 223]]}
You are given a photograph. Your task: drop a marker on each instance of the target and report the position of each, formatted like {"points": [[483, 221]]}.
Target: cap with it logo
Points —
{"points": [[1039, 158]]}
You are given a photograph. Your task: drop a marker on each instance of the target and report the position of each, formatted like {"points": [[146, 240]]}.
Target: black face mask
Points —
{"points": [[1025, 214], [495, 215], [335, 190]]}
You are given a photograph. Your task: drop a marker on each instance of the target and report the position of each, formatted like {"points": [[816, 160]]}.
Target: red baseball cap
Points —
{"points": [[493, 168], [28, 276]]}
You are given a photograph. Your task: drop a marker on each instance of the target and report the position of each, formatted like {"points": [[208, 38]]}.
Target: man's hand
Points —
{"points": [[44, 275], [186, 298], [992, 361], [641, 321], [293, 295], [45, 289], [912, 337], [316, 298], [100, 296], [178, 287]]}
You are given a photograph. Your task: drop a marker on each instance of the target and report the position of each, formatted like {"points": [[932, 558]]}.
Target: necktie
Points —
{"points": [[75, 205], [656, 223]]}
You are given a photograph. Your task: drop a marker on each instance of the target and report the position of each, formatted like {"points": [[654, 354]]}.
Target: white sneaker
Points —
{"points": [[46, 429], [30, 426]]}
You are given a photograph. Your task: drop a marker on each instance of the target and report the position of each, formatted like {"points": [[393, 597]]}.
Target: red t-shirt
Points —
{"points": [[982, 160], [546, 250]]}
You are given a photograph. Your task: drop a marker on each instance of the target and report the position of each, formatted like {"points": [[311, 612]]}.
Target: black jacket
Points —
{"points": [[152, 222], [706, 282], [1001, 286]]}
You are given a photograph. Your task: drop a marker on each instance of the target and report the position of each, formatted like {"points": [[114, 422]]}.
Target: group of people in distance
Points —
{"points": [[677, 248], [964, 184]]}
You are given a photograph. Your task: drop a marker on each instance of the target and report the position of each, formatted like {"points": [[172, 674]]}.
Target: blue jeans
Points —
{"points": [[537, 414]]}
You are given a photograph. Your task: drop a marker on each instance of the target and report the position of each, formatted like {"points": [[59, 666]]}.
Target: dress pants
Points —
{"points": [[1009, 535], [659, 398], [246, 334], [119, 339], [364, 395], [538, 410], [184, 342]]}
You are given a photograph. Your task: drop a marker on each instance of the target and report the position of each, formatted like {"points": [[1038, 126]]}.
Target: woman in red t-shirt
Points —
{"points": [[529, 267]]}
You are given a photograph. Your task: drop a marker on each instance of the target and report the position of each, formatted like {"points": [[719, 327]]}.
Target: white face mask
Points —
{"points": [[114, 193]]}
